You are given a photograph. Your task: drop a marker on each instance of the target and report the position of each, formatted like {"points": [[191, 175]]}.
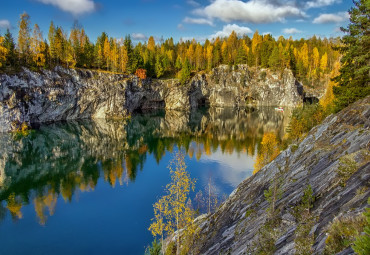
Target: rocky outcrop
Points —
{"points": [[333, 160], [61, 94], [239, 86], [65, 94]]}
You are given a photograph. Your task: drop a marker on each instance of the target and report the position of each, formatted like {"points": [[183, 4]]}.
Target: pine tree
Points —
{"points": [[274, 60], [354, 77], [159, 69], [185, 72], [9, 44], [128, 46], [51, 38]]}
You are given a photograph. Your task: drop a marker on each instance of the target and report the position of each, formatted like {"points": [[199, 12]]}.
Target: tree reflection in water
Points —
{"points": [[63, 158]]}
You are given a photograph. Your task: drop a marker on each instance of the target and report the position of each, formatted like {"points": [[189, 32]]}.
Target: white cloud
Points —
{"points": [[291, 31], [139, 37], [4, 24], [193, 3], [321, 3], [331, 18], [254, 11], [232, 169], [226, 31], [199, 21], [75, 7]]}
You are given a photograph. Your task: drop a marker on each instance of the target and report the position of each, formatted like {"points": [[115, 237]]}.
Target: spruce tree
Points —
{"points": [[353, 79], [10, 46]]}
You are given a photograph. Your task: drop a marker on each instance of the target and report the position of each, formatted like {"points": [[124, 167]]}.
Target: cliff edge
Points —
{"points": [[287, 207]]}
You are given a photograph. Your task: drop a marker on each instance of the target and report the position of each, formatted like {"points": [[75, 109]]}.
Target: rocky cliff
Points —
{"points": [[64, 94], [287, 207]]}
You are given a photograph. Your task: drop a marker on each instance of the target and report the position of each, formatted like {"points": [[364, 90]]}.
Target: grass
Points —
{"points": [[347, 167], [342, 233]]}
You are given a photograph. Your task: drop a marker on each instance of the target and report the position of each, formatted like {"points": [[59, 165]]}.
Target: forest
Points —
{"points": [[309, 59]]}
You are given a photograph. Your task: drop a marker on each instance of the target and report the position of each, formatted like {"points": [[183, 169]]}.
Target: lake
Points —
{"points": [[87, 187]]}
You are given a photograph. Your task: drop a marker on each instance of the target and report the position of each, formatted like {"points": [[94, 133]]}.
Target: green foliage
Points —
{"points": [[268, 234], [273, 194], [9, 44], [303, 240], [304, 118], [362, 243], [185, 72], [154, 249], [342, 233], [159, 68], [354, 78], [74, 49]]}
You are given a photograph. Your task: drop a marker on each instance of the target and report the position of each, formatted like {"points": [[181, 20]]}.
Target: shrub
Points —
{"points": [[362, 244], [342, 233]]}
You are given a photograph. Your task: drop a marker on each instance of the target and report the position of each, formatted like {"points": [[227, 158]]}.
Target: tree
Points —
{"points": [[24, 37], [151, 44], [327, 100], [123, 59], [171, 211], [159, 69], [324, 62], [60, 45], [185, 72], [354, 77], [3, 52], [128, 46], [269, 150], [274, 60], [51, 38], [8, 43], [107, 53], [38, 47], [209, 55]]}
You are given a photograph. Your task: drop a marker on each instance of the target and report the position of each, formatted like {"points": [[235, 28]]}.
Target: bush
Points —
{"points": [[155, 249], [362, 244], [304, 118], [342, 233]]}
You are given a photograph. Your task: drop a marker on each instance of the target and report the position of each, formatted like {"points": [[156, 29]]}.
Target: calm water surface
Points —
{"points": [[88, 187]]}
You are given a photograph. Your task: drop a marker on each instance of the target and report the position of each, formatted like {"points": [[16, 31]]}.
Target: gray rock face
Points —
{"points": [[225, 87], [59, 95], [64, 94], [236, 227]]}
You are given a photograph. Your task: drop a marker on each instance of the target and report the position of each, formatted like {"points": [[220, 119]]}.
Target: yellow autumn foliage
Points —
{"points": [[269, 151]]}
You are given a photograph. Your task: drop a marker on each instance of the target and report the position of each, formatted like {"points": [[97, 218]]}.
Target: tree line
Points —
{"points": [[310, 59]]}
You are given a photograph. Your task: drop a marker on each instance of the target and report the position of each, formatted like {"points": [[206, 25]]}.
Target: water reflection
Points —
{"points": [[61, 159]]}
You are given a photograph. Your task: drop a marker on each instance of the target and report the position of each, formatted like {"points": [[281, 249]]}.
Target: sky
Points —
{"points": [[183, 19]]}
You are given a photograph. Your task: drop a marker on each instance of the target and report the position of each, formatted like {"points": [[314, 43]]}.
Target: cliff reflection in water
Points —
{"points": [[65, 158]]}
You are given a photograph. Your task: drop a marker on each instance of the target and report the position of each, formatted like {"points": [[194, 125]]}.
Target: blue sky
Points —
{"points": [[199, 19]]}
